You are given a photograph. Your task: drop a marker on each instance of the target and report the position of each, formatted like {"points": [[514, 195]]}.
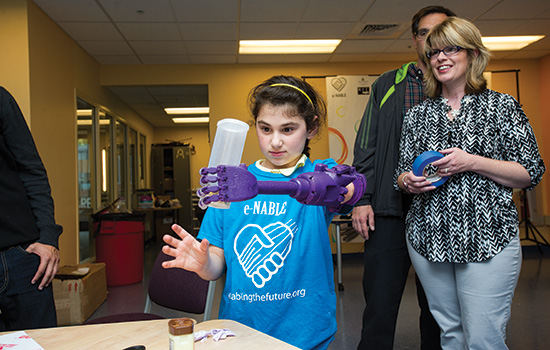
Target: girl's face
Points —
{"points": [[281, 137]]}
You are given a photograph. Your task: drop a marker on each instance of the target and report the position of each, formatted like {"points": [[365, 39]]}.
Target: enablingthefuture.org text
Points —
{"points": [[256, 297]]}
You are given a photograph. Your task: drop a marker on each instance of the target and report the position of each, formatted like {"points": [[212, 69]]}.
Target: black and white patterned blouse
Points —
{"points": [[469, 218]]}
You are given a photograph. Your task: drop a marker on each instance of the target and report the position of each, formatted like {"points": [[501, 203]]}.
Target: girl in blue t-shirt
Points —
{"points": [[274, 249]]}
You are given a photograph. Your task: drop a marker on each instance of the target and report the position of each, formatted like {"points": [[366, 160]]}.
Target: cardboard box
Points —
{"points": [[79, 293]]}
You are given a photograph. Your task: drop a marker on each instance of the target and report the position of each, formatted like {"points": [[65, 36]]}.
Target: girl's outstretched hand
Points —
{"points": [[189, 253]]}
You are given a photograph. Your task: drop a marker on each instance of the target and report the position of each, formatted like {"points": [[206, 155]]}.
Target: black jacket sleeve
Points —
{"points": [[20, 143], [365, 145]]}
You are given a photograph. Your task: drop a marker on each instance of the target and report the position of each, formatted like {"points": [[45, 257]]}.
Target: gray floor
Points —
{"points": [[526, 330]]}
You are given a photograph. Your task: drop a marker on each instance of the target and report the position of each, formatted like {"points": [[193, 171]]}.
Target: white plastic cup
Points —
{"points": [[229, 143], [228, 147]]}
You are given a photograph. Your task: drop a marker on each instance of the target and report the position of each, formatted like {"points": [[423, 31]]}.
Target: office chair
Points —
{"points": [[173, 288]]}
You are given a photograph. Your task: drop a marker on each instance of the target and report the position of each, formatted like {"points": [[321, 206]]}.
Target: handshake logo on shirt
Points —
{"points": [[262, 250]]}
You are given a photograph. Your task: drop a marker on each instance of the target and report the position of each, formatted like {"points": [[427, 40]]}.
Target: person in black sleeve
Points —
{"points": [[376, 154], [29, 236]]}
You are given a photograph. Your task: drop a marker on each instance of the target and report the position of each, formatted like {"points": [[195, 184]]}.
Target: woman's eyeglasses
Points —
{"points": [[448, 51]]}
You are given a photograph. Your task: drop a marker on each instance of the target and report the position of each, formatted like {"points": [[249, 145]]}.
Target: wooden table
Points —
{"points": [[152, 334]]}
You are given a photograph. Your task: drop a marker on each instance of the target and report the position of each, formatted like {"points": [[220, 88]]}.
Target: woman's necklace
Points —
{"points": [[455, 112], [449, 110]]}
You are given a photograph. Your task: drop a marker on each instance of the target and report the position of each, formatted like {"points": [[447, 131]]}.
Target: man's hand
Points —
{"points": [[363, 220], [49, 263]]}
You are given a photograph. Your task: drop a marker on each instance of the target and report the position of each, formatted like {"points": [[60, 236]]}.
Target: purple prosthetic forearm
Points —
{"points": [[324, 186]]}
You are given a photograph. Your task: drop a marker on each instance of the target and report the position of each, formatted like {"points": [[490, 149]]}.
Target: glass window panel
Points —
{"points": [[86, 178], [132, 166], [141, 160], [105, 158], [121, 164]]}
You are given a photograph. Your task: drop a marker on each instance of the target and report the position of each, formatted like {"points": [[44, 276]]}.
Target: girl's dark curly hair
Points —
{"points": [[299, 98]]}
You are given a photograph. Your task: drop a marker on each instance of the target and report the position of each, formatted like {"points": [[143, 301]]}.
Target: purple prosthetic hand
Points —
{"points": [[324, 186]]}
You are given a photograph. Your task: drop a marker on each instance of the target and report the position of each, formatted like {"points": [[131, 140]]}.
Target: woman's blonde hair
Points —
{"points": [[459, 32]]}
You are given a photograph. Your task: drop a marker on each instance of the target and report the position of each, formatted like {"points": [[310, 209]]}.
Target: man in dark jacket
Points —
{"points": [[376, 153], [29, 255]]}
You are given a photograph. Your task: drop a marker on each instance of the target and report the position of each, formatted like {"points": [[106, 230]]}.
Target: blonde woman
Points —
{"points": [[462, 236]]}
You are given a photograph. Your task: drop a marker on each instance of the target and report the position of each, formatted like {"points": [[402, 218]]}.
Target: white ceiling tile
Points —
{"points": [[152, 48], [514, 9], [401, 46], [165, 59], [335, 11], [267, 31], [139, 10], [533, 26], [206, 11], [407, 34], [329, 30], [469, 9], [213, 59], [395, 11], [543, 44], [272, 11], [187, 101], [499, 55], [120, 60], [162, 91], [208, 31], [211, 47], [158, 116], [134, 95], [363, 46], [71, 10], [544, 14], [496, 27], [150, 31], [150, 108], [91, 30], [130, 91], [106, 48]]}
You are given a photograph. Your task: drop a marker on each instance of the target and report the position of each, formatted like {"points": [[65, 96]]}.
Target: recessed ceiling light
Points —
{"points": [[190, 120], [287, 46], [509, 43], [84, 112], [187, 110]]}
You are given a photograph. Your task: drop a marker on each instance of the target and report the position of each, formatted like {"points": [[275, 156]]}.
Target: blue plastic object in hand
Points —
{"points": [[425, 159]]}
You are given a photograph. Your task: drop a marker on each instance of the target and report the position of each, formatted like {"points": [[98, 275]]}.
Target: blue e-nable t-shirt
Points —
{"points": [[279, 264]]}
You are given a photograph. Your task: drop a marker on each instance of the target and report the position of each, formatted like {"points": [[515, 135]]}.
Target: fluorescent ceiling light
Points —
{"points": [[89, 122], [188, 110], [191, 120], [84, 112], [287, 46], [509, 43]]}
